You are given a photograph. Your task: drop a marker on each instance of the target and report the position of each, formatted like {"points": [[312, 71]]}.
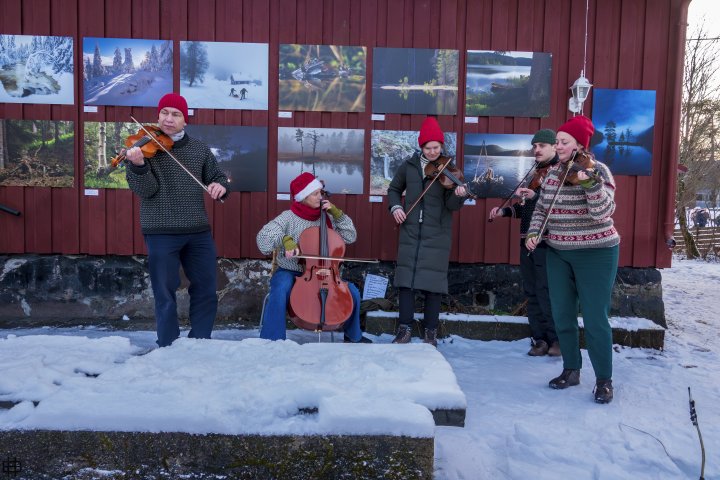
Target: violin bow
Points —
{"points": [[440, 170], [340, 259], [552, 203], [509, 197], [204, 187]]}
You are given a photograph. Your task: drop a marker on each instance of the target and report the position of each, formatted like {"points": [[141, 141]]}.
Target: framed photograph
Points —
{"points": [[334, 155], [508, 84], [226, 75], [322, 78], [390, 148], [241, 153], [36, 69], [126, 71], [415, 81], [37, 153], [102, 142], [624, 130], [496, 163]]}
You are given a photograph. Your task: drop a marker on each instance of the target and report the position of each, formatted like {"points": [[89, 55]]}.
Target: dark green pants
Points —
{"points": [[583, 277]]}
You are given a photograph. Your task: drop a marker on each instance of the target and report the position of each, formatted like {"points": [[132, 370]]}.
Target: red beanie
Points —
{"points": [[303, 185], [176, 101], [430, 131], [580, 128]]}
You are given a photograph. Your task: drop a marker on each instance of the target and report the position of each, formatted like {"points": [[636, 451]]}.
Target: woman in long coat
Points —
{"points": [[425, 234]]}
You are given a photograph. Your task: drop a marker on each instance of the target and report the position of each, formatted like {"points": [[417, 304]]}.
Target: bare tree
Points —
{"points": [[700, 122]]}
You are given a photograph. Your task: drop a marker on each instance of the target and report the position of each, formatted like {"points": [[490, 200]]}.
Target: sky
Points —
{"points": [[516, 427], [708, 9]]}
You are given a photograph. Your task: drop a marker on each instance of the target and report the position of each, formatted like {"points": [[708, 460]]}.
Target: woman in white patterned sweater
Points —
{"points": [[282, 234], [582, 257]]}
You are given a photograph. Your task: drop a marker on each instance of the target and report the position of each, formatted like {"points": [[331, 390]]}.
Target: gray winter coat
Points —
{"points": [[424, 246]]}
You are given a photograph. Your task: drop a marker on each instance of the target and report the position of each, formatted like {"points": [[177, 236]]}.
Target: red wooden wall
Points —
{"points": [[632, 44]]}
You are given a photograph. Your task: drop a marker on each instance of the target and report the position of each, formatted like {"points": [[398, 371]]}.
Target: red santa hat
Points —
{"points": [[303, 185], [430, 131], [175, 101], [580, 128]]}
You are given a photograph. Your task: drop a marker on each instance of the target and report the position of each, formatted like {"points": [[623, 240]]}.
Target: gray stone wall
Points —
{"points": [[115, 291]]}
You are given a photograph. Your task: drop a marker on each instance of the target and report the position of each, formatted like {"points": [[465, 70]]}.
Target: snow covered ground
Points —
{"points": [[516, 427]]}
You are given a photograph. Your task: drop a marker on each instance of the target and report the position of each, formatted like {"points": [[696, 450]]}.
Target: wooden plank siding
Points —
{"points": [[632, 44]]}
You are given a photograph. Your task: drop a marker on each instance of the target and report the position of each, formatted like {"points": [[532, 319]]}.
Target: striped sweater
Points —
{"points": [[270, 237], [581, 217]]}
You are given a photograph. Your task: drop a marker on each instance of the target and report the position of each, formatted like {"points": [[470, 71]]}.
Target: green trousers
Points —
{"points": [[584, 278]]}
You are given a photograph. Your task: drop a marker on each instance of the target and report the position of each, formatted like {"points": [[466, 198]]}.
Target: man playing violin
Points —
{"points": [[532, 267], [174, 221], [425, 234], [282, 235]]}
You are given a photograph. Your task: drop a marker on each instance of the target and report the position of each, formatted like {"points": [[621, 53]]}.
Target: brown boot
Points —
{"points": [[539, 348], [431, 336], [554, 350], [403, 335]]}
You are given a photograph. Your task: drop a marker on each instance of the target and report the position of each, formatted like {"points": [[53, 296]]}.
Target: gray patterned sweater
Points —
{"points": [[581, 217], [171, 201], [270, 237]]}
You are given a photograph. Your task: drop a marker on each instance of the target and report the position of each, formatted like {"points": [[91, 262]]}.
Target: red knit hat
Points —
{"points": [[176, 101], [430, 131], [303, 185], [580, 128]]}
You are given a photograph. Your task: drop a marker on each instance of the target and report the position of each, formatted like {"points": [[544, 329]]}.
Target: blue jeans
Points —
{"points": [[281, 283], [197, 255]]}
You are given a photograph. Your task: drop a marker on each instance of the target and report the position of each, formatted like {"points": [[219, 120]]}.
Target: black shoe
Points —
{"points": [[363, 339], [538, 348], [603, 391], [567, 378]]}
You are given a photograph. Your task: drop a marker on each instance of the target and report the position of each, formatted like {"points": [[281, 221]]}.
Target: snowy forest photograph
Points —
{"points": [[37, 69], [624, 130], [508, 84], [241, 153], [102, 142], [389, 148], [334, 155], [227, 75], [415, 81], [126, 72], [322, 78], [37, 153]]}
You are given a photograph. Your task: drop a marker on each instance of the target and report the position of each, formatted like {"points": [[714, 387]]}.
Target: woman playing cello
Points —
{"points": [[282, 234]]}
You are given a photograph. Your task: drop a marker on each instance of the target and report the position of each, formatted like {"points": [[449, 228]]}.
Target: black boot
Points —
{"points": [[567, 378], [603, 391], [363, 339]]}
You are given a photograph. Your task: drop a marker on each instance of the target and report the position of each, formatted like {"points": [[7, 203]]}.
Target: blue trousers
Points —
{"points": [[281, 283], [197, 255]]}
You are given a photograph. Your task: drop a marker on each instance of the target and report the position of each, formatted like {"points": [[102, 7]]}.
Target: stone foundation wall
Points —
{"points": [[115, 291]]}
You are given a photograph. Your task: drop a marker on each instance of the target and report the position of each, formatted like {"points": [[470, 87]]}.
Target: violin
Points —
{"points": [[582, 162], [146, 144], [320, 300], [450, 175], [539, 173]]}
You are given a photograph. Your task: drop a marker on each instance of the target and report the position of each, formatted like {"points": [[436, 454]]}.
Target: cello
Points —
{"points": [[320, 300]]}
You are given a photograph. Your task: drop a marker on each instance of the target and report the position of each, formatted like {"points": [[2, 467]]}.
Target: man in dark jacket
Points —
{"points": [[532, 266], [175, 224], [425, 234]]}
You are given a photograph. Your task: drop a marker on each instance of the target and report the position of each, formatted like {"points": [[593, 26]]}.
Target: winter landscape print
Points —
{"points": [[225, 75], [126, 72], [624, 129], [36, 69]]}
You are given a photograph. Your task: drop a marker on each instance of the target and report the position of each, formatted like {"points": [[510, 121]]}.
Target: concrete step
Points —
{"points": [[627, 331]]}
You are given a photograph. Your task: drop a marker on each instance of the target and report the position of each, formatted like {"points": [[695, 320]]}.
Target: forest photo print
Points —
{"points": [[36, 69], [126, 72]]}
